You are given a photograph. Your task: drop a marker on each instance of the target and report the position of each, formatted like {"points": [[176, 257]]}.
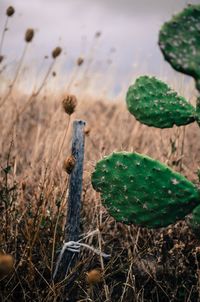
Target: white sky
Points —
{"points": [[131, 27]]}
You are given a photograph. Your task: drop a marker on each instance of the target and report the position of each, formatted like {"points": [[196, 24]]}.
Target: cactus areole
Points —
{"points": [[179, 41], [139, 190]]}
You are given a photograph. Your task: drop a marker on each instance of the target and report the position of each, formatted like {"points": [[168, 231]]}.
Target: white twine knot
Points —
{"points": [[74, 246]]}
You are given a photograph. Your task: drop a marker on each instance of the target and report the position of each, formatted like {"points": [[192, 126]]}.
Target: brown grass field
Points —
{"points": [[146, 265], [35, 138]]}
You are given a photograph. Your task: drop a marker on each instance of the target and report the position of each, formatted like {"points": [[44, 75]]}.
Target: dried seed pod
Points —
{"points": [[56, 52], [10, 11], [6, 264], [94, 276], [29, 35], [30, 222], [87, 131], [1, 58], [69, 164], [69, 104], [97, 34], [23, 185], [80, 61]]}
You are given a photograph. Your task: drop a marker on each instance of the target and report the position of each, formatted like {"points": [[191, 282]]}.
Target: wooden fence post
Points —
{"points": [[72, 228]]}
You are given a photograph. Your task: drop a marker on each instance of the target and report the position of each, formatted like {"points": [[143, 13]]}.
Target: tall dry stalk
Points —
{"points": [[9, 13], [28, 38], [55, 53]]}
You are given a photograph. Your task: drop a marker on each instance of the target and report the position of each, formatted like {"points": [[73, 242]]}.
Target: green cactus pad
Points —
{"points": [[194, 220], [198, 111], [153, 103], [139, 190], [179, 41]]}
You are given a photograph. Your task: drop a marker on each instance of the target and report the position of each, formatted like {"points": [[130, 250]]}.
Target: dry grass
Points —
{"points": [[146, 265]]}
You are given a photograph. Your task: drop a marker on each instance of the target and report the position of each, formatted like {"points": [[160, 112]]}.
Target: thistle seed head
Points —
{"points": [[97, 34], [69, 164], [10, 11], [94, 276], [69, 104], [56, 52], [1, 58], [87, 131], [6, 264], [29, 35], [23, 185], [80, 61]]}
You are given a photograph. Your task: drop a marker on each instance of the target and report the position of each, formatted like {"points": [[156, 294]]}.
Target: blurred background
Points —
{"points": [[116, 38]]}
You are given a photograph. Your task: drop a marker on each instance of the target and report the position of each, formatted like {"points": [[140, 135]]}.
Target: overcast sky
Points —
{"points": [[129, 33]]}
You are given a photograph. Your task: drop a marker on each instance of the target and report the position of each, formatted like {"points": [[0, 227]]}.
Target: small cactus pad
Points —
{"points": [[139, 190], [153, 103], [179, 41], [198, 111], [194, 220]]}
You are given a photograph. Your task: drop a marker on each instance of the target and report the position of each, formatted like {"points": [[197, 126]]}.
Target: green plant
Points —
{"points": [[179, 41], [194, 219], [135, 188], [153, 103]]}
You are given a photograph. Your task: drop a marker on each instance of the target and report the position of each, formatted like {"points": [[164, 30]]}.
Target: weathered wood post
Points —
{"points": [[67, 259]]}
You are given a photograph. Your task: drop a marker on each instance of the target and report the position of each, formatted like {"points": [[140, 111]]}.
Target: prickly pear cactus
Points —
{"points": [[139, 190], [153, 103], [179, 41], [194, 220], [198, 112]]}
